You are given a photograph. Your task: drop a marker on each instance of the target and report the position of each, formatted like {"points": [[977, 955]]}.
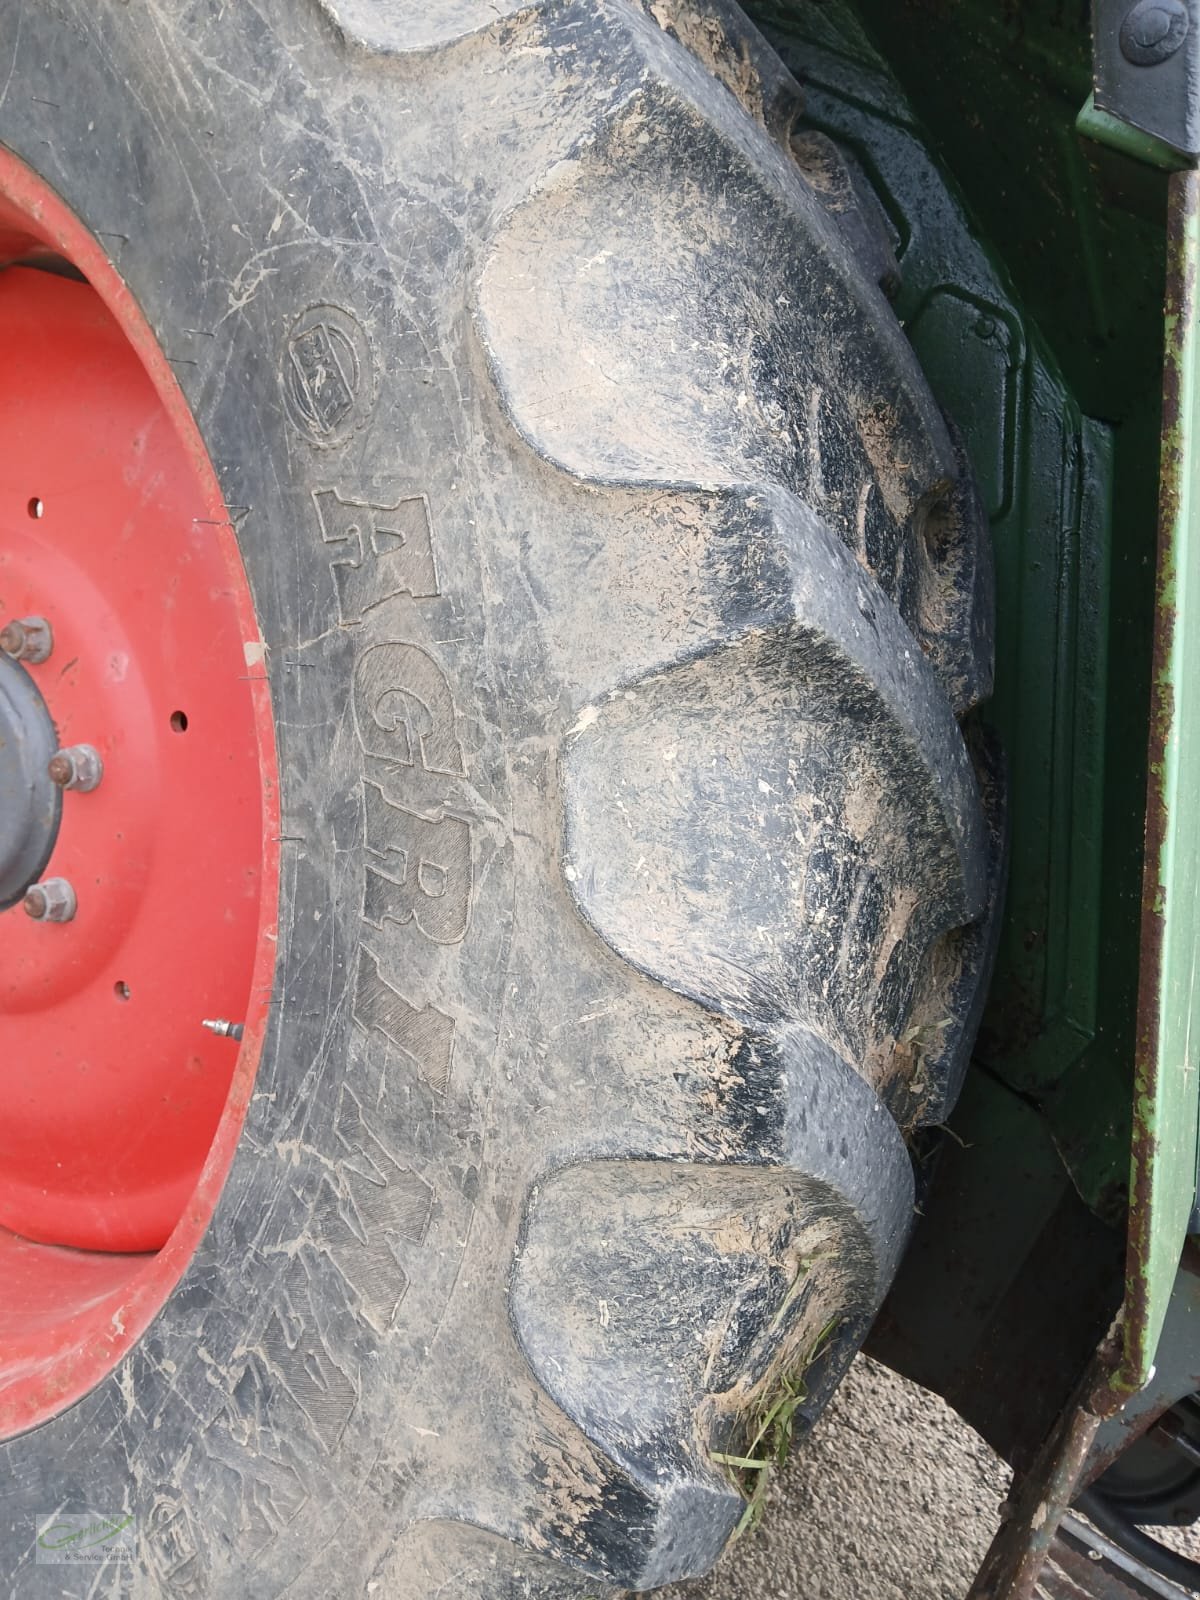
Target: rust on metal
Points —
{"points": [[1183, 202], [77, 767], [52, 900]]}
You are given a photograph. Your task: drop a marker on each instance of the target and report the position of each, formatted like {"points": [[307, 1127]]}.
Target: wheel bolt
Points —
{"points": [[51, 901], [27, 639], [78, 766]]}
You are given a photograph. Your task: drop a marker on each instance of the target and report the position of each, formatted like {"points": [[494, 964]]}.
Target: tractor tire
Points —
{"points": [[622, 593]]}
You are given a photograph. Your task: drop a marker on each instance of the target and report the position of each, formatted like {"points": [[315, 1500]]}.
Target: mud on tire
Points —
{"points": [[622, 589]]}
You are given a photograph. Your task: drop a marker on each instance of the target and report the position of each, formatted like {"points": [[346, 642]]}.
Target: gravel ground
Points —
{"points": [[893, 1497]]}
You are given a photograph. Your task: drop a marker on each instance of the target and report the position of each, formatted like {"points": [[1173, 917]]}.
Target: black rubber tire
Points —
{"points": [[622, 590]]}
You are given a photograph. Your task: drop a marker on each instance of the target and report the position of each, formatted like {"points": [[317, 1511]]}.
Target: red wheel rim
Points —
{"points": [[122, 1108]]}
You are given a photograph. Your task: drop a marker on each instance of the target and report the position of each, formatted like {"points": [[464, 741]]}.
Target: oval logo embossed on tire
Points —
{"points": [[327, 375]]}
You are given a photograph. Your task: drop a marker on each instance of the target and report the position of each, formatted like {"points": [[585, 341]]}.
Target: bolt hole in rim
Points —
{"points": [[114, 1150]]}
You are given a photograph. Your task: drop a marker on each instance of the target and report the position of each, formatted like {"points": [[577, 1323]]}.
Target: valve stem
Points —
{"points": [[227, 1030]]}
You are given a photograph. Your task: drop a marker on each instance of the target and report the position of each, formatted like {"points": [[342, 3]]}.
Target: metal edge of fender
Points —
{"points": [[1166, 1082], [1146, 72]]}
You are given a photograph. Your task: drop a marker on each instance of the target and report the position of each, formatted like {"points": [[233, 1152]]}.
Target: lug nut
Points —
{"points": [[78, 766], [27, 639], [51, 901]]}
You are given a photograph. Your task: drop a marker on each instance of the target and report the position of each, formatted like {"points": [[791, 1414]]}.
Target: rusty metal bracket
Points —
{"points": [[1040, 1498]]}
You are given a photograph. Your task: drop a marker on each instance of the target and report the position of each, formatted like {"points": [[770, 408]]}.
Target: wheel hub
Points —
{"points": [[30, 800]]}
